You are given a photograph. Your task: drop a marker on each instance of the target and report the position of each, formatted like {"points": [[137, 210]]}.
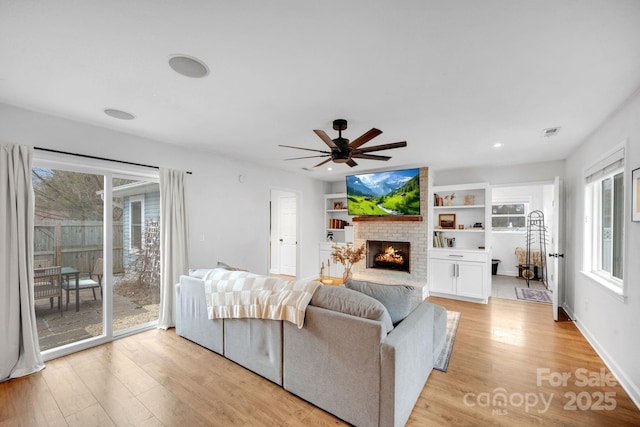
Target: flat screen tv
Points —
{"points": [[384, 193]]}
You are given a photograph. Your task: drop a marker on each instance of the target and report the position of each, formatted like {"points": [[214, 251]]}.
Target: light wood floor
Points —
{"points": [[157, 378]]}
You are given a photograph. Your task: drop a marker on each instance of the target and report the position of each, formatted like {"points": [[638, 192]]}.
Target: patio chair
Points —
{"points": [[86, 282], [47, 283], [39, 263]]}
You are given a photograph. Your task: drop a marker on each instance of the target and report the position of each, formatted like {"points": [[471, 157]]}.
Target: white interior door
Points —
{"points": [[284, 238], [553, 270]]}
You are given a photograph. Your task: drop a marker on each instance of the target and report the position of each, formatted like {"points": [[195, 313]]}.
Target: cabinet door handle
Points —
{"points": [[457, 270]]}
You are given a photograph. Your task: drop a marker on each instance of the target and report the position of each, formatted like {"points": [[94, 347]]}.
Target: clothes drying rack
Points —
{"points": [[536, 256]]}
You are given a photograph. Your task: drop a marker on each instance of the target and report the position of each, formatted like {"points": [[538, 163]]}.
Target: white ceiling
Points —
{"points": [[450, 77]]}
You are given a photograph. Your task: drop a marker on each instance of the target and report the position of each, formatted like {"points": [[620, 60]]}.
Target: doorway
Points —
{"points": [[96, 238], [510, 208], [283, 240]]}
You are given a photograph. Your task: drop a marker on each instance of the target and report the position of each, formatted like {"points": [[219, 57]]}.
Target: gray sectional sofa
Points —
{"points": [[348, 359]]}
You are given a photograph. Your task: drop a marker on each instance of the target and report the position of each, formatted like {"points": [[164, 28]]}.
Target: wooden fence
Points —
{"points": [[76, 244]]}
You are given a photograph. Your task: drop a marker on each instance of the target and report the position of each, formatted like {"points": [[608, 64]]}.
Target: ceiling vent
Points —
{"points": [[549, 132]]}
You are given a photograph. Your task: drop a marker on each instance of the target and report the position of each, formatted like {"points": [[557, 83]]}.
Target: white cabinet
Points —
{"points": [[331, 268], [459, 274], [337, 221], [460, 246]]}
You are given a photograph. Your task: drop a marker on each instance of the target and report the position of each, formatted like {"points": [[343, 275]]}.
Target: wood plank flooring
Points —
{"points": [[158, 378]]}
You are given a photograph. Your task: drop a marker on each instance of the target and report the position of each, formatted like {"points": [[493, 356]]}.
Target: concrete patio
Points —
{"points": [[133, 304]]}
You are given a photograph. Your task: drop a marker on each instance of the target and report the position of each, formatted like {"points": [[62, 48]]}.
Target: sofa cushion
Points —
{"points": [[396, 298], [198, 273], [343, 300]]}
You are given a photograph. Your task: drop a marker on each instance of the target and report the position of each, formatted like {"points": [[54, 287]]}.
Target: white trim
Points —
{"points": [[610, 161], [614, 289], [107, 170], [93, 166], [623, 379]]}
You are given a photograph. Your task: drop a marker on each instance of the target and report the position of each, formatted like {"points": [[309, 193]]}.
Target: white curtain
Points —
{"points": [[19, 346], [174, 242]]}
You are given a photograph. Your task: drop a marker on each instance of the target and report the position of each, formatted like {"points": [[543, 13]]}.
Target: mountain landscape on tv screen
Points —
{"points": [[384, 193]]}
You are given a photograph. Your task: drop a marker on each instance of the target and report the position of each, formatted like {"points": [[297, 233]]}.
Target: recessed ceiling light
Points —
{"points": [[118, 114], [188, 66], [329, 168], [498, 145]]}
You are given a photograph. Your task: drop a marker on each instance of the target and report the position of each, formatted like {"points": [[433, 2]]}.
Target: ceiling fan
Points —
{"points": [[342, 151]]}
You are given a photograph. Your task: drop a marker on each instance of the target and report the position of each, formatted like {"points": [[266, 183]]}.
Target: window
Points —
{"points": [[136, 207], [604, 225], [509, 217]]}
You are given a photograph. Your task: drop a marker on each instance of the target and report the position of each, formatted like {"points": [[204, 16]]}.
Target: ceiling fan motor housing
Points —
{"points": [[339, 124]]}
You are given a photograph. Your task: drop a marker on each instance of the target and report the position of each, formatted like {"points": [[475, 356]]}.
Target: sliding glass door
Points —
{"points": [[136, 254], [96, 254]]}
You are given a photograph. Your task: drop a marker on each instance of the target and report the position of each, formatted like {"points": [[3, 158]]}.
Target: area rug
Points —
{"points": [[535, 295], [442, 363]]}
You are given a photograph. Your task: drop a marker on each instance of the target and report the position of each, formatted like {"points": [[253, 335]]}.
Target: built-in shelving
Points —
{"points": [[460, 248], [338, 223]]}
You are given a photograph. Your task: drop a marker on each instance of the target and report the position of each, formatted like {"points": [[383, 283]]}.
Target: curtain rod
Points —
{"points": [[87, 156]]}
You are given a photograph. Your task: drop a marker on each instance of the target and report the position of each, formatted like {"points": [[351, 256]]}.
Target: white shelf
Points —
{"points": [[459, 207], [457, 230], [340, 235]]}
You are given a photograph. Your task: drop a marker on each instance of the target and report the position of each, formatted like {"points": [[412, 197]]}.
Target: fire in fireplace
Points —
{"points": [[388, 255]]}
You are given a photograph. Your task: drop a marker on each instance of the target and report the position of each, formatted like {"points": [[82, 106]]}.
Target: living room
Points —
{"points": [[228, 195]]}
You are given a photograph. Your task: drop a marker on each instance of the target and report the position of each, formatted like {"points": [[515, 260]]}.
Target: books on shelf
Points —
{"points": [[337, 223], [441, 241]]}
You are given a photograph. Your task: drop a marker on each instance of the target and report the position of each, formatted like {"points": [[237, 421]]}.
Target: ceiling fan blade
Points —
{"points": [[308, 157], [369, 156], [352, 163], [365, 137], [381, 147], [323, 136], [308, 149], [323, 162]]}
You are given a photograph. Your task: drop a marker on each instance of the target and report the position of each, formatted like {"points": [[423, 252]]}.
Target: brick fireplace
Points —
{"points": [[410, 230]]}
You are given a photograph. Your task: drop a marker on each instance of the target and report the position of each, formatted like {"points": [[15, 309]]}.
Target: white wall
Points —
{"points": [[232, 217], [608, 323], [506, 174]]}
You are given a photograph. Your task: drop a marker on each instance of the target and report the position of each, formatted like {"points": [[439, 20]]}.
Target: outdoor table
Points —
{"points": [[68, 271]]}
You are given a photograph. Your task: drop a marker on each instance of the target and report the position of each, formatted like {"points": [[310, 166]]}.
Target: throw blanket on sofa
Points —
{"points": [[233, 295]]}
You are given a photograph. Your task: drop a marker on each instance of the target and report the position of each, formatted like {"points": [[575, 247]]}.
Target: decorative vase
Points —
{"points": [[346, 275]]}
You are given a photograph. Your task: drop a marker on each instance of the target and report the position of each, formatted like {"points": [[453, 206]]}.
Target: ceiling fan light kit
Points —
{"points": [[343, 151]]}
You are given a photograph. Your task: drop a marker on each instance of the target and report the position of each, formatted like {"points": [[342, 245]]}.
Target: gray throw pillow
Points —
{"points": [[228, 267], [343, 300], [396, 298]]}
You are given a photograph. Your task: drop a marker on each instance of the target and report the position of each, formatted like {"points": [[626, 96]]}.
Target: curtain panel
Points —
{"points": [[20, 349], [174, 242]]}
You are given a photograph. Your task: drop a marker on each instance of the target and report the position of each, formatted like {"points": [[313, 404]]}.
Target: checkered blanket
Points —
{"points": [[239, 294]]}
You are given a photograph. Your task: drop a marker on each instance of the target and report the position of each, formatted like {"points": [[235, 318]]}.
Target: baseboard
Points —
{"points": [[625, 382], [569, 311], [513, 273]]}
